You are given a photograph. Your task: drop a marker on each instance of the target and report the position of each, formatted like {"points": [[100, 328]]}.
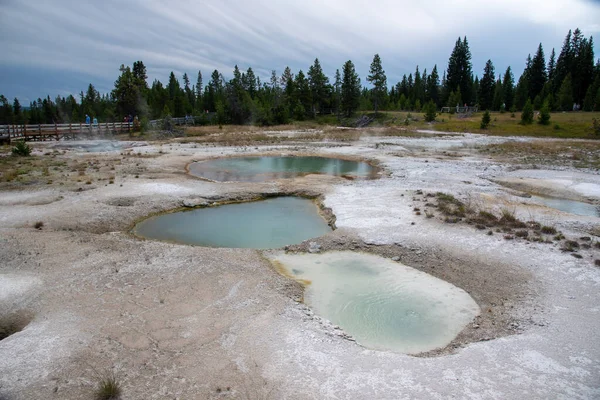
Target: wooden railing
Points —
{"points": [[189, 120], [58, 131], [459, 110]]}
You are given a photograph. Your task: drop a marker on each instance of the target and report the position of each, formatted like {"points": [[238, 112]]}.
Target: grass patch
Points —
{"points": [[570, 124], [578, 154], [109, 388]]}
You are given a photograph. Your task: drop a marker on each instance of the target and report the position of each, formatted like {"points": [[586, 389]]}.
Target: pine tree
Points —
{"points": [[485, 120], [250, 83], [508, 88], [378, 79], [455, 99], [563, 64], [498, 96], [303, 94], [418, 92], [140, 76], [521, 92], [125, 93], [318, 86], [565, 94], [486, 86], [459, 72], [433, 84], [17, 111], [350, 89], [199, 90], [537, 73], [285, 77], [552, 66], [527, 114], [544, 117], [430, 111], [338, 92]]}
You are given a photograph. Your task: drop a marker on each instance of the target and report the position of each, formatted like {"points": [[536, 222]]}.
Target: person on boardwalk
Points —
{"points": [[87, 119]]}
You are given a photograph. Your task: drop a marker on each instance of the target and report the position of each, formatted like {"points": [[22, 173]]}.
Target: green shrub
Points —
{"points": [[430, 111], [527, 114], [21, 149], [485, 120], [544, 117]]}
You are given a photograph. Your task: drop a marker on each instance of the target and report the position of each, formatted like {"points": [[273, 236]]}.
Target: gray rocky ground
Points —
{"points": [[183, 322]]}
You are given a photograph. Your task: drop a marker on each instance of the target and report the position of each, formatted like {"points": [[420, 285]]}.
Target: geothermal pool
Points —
{"points": [[569, 206], [383, 304], [260, 169], [265, 224]]}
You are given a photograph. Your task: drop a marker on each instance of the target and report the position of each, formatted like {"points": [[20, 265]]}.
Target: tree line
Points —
{"points": [[564, 83]]}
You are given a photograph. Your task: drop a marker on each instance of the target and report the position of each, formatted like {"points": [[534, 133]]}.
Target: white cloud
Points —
{"points": [[94, 38]]}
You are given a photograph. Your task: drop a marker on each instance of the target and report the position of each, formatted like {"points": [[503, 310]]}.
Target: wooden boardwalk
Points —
{"points": [[42, 132]]}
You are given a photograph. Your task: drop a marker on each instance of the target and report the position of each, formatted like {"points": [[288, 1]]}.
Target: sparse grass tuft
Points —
{"points": [[548, 230], [109, 388], [570, 246]]}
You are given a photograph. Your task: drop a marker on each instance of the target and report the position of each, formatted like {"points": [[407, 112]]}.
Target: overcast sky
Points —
{"points": [[59, 46]]}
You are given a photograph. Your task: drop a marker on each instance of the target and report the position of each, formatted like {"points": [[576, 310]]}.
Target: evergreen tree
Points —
{"points": [[486, 86], [459, 73], [508, 88], [304, 96], [527, 114], [378, 79], [17, 111], [485, 120], [455, 99], [6, 111], [418, 89], [250, 83], [173, 86], [350, 89], [498, 96], [544, 117], [552, 66], [338, 92], [433, 84], [126, 93], [563, 64], [430, 111], [140, 76], [318, 86], [521, 92], [199, 89], [537, 73], [565, 94], [285, 77]]}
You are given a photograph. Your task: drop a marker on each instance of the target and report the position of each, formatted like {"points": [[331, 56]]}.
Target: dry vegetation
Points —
{"points": [[452, 210], [575, 153], [54, 168]]}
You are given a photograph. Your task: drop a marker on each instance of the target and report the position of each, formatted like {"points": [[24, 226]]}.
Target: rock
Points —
{"points": [[191, 203], [313, 247], [396, 258]]}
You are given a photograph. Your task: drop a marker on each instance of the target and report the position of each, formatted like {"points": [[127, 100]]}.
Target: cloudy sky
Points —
{"points": [[59, 46]]}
